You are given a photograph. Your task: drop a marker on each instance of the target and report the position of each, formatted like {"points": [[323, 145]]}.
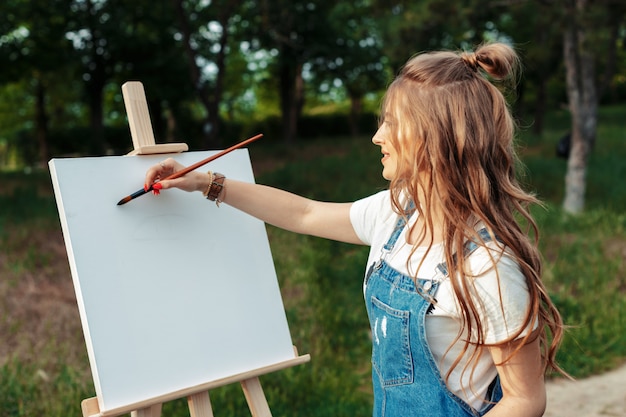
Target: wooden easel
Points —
{"points": [[198, 396]]}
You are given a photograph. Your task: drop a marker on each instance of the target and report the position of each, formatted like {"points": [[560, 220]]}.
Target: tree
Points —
{"points": [[150, 52], [92, 33], [205, 34], [409, 27], [118, 40], [35, 50], [582, 18], [355, 57], [299, 32], [530, 26], [616, 37]]}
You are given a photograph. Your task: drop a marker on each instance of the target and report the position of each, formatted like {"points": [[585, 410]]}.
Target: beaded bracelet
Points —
{"points": [[215, 188]]}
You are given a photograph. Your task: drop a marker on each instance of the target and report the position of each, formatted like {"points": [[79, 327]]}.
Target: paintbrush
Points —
{"points": [[190, 168]]}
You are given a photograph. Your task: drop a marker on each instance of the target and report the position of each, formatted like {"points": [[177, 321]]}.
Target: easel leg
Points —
{"points": [[255, 397], [200, 405], [152, 411]]}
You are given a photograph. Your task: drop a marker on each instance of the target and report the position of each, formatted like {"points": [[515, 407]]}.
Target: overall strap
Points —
{"points": [[395, 234], [469, 247], [393, 238], [398, 229]]}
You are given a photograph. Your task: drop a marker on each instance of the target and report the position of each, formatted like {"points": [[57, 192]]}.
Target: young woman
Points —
{"points": [[461, 322]]}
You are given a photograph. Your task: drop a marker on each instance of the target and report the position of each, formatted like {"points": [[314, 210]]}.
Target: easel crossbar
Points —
{"points": [[88, 404]]}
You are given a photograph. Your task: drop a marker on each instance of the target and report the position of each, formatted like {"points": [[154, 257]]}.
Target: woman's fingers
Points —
{"points": [[192, 181], [159, 171]]}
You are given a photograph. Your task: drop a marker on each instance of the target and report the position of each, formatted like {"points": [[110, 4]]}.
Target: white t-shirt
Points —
{"points": [[502, 297]]}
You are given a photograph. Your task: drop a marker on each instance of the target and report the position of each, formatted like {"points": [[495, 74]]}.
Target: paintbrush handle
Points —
{"points": [[190, 168], [212, 158]]}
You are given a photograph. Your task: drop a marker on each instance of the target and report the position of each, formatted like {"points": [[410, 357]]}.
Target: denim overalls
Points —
{"points": [[406, 379]]}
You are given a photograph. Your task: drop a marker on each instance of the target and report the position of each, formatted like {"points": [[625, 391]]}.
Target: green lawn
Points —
{"points": [[44, 369]]}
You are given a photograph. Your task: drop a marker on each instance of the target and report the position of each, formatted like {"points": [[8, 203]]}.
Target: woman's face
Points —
{"points": [[390, 154]]}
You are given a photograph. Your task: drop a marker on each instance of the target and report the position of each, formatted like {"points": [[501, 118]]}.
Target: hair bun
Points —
{"points": [[497, 59], [470, 59]]}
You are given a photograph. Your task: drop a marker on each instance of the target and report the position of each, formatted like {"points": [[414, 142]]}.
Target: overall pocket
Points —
{"points": [[391, 352]]}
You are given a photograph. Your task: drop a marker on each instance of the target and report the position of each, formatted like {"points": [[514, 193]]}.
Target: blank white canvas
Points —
{"points": [[173, 292]]}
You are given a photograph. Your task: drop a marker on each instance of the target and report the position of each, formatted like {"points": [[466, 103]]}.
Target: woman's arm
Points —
{"points": [[271, 205], [522, 380], [292, 212]]}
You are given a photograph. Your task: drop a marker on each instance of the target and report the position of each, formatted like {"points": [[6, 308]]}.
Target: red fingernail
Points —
{"points": [[156, 188], [145, 187]]}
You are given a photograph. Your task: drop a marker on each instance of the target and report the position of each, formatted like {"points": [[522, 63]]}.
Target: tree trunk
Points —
{"points": [[41, 123], [356, 108], [94, 88], [540, 106], [291, 98], [616, 17], [583, 103], [158, 123], [96, 123]]}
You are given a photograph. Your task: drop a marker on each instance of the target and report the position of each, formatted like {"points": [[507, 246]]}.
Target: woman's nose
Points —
{"points": [[377, 139]]}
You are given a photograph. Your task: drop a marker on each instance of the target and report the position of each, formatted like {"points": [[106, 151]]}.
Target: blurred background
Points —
{"points": [[309, 75]]}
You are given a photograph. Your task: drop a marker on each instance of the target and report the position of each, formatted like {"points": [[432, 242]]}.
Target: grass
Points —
{"points": [[43, 364]]}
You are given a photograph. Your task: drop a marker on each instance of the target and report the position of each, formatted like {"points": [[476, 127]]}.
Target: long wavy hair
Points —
{"points": [[455, 135]]}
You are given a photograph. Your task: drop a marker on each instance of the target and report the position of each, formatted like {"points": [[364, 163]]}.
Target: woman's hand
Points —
{"points": [[192, 181]]}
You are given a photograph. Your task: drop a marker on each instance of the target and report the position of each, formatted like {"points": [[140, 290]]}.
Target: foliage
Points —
{"points": [[62, 62]]}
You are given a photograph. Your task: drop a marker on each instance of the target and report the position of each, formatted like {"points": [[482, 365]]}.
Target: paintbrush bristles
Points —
{"points": [[124, 200], [133, 195]]}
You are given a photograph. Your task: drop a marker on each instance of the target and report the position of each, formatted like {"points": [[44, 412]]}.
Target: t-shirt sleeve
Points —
{"points": [[502, 296], [365, 215]]}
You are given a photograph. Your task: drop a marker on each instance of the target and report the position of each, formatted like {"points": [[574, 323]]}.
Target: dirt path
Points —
{"points": [[597, 396]]}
